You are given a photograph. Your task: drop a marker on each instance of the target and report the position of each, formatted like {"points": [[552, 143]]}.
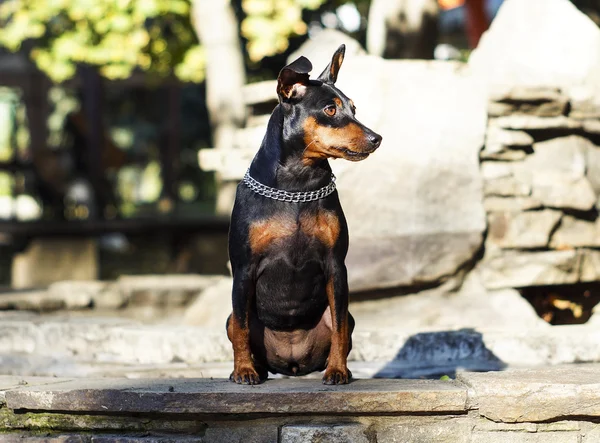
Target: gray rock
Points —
{"points": [[39, 301], [504, 155], [101, 295], [163, 290], [498, 139], [511, 204], [429, 213], [470, 307], [556, 171], [528, 94], [48, 260], [496, 170], [507, 56], [518, 269], [576, 233], [592, 162], [506, 187], [204, 396], [425, 430], [592, 126], [348, 433], [318, 49], [532, 122], [212, 306], [539, 101], [536, 395], [524, 230]]}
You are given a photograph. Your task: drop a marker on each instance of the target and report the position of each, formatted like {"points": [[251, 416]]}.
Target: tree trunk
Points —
{"points": [[217, 29]]}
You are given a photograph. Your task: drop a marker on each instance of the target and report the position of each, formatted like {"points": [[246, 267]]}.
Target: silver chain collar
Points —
{"points": [[285, 196]]}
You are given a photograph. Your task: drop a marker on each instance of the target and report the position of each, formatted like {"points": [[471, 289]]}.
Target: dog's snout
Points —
{"points": [[374, 139]]}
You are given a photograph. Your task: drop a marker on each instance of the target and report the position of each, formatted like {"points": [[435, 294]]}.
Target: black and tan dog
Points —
{"points": [[288, 237]]}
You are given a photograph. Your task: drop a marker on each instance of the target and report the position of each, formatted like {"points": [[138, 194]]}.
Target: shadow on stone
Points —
{"points": [[435, 354]]}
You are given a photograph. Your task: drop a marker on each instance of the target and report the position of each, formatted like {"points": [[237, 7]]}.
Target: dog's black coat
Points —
{"points": [[290, 291]]}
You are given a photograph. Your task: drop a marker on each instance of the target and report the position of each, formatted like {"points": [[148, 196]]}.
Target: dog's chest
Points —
{"points": [[322, 226]]}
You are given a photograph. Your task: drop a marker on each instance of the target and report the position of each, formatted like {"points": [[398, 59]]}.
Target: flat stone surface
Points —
{"points": [[524, 230], [536, 395], [532, 122], [343, 433], [221, 396]]}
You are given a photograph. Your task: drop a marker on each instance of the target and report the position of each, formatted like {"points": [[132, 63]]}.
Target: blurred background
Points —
{"points": [[125, 126], [104, 108]]}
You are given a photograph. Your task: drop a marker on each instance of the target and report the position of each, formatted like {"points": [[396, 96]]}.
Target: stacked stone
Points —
{"points": [[541, 172]]}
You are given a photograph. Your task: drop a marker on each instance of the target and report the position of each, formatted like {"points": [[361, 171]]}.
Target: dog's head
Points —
{"points": [[321, 115]]}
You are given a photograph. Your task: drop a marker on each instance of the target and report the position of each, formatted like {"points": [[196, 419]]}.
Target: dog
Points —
{"points": [[288, 236]]}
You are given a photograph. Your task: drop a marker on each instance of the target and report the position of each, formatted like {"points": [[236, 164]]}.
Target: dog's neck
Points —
{"points": [[278, 163]]}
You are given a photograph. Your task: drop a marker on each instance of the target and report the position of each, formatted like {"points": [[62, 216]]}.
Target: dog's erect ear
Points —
{"points": [[329, 75], [293, 79]]}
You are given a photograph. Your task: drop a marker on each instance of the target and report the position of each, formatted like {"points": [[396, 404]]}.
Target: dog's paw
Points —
{"points": [[245, 376], [337, 376]]}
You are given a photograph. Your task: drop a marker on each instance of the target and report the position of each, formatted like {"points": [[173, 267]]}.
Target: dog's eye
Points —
{"points": [[330, 110]]}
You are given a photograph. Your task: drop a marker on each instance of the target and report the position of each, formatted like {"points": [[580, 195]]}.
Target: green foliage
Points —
{"points": [[118, 36], [269, 24]]}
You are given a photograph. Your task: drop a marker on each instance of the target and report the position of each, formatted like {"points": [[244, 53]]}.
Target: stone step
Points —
{"points": [[403, 353], [551, 405]]}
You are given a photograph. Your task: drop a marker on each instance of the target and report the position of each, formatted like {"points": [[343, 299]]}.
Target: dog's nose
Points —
{"points": [[375, 140]]}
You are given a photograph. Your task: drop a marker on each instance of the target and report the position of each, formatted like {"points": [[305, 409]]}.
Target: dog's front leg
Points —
{"points": [[238, 328], [337, 294]]}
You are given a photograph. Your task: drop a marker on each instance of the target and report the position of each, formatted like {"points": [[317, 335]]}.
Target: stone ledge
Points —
{"points": [[205, 396], [552, 405], [536, 395]]}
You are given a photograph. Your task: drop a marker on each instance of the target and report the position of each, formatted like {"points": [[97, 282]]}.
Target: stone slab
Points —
{"points": [[204, 396], [343, 433], [536, 395]]}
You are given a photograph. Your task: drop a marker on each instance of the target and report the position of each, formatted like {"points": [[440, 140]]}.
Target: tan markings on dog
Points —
{"points": [[336, 64], [325, 226], [338, 102], [326, 142], [338, 353], [264, 232], [240, 340]]}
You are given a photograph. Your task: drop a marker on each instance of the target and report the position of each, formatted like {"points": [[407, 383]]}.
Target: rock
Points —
{"points": [[538, 395], [591, 126], [212, 307], [496, 170], [556, 171], [511, 204], [164, 290], [47, 260], [318, 49], [413, 219], [498, 139], [528, 94], [524, 230], [506, 187], [473, 306], [592, 162], [576, 233], [522, 49], [101, 295], [348, 433], [521, 269], [38, 301], [539, 101], [504, 154], [530, 122], [205, 396]]}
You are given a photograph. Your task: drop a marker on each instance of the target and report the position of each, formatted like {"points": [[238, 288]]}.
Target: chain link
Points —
{"points": [[285, 196]]}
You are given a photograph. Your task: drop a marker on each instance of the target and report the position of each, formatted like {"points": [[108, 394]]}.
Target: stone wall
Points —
{"points": [[541, 191]]}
